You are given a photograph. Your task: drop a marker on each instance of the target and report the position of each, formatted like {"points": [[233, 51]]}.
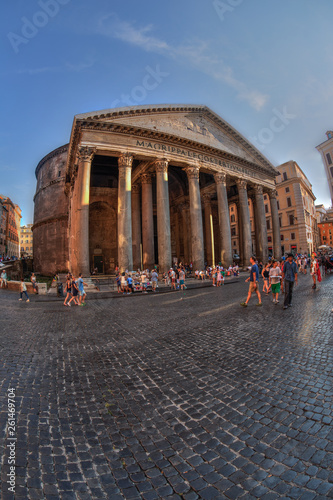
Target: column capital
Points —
{"points": [[220, 178], [161, 165], [125, 160], [206, 199], [85, 153], [258, 189], [146, 178], [241, 183], [272, 193], [192, 172], [136, 188]]}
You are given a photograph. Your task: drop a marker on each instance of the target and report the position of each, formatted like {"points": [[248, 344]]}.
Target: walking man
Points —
{"points": [[254, 283], [82, 294], [289, 277]]}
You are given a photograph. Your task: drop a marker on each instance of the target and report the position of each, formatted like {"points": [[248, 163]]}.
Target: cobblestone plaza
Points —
{"points": [[156, 397]]}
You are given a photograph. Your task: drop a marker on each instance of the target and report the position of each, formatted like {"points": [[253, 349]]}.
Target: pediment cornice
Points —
{"points": [[116, 114], [144, 133]]}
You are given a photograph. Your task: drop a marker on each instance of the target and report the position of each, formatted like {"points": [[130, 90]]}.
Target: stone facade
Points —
{"points": [[147, 185], [50, 229]]}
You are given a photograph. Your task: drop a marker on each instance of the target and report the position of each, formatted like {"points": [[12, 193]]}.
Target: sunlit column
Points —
{"points": [[163, 216], [147, 222], [136, 226], [224, 219], [81, 211], [196, 217], [125, 253], [209, 234]]}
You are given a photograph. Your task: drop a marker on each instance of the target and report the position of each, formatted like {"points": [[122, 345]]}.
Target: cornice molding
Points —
{"points": [[176, 140], [50, 220], [52, 154]]}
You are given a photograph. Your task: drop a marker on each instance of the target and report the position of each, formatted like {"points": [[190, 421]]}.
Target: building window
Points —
{"points": [[278, 204], [269, 239], [233, 231], [291, 220], [331, 169], [265, 197], [280, 221], [285, 177], [329, 159], [232, 218], [287, 189], [268, 224], [292, 236], [282, 238], [266, 209], [231, 209], [288, 202]]}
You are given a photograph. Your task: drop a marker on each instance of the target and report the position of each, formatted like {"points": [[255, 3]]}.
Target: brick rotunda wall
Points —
{"points": [[50, 230]]}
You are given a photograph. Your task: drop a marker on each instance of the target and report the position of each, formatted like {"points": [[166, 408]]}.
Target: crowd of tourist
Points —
{"points": [[281, 276]]}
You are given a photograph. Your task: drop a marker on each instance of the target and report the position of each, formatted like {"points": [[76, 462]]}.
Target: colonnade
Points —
{"points": [[136, 232]]}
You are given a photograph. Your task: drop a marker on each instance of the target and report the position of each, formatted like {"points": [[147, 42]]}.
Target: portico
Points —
{"points": [[166, 176]]}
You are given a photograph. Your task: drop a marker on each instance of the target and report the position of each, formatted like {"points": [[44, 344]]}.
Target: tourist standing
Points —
{"points": [[314, 266], [254, 283], [34, 283], [289, 278], [182, 278], [3, 279], [23, 290], [173, 279], [154, 280], [275, 280]]}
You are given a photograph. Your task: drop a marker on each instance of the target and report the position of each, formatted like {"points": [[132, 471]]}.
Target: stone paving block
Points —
{"points": [[198, 404]]}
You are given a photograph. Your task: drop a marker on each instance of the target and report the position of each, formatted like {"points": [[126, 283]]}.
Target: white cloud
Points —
{"points": [[196, 55]]}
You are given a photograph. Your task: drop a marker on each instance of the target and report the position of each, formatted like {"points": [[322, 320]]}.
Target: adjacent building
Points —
{"points": [[3, 224], [297, 212], [12, 230], [26, 241], [326, 151], [325, 225], [145, 185]]}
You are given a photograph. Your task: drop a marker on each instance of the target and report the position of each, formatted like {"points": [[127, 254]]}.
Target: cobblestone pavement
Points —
{"points": [[156, 397]]}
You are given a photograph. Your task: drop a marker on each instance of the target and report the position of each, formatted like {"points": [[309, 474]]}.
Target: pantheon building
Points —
{"points": [[145, 185]]}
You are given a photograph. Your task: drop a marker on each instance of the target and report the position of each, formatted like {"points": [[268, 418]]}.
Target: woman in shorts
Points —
{"points": [[75, 292], [68, 289], [265, 275]]}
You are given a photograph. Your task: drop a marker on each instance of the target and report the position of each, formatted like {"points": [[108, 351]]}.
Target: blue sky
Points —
{"points": [[249, 61]]}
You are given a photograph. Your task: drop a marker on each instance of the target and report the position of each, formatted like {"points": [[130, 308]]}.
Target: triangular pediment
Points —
{"points": [[195, 123]]}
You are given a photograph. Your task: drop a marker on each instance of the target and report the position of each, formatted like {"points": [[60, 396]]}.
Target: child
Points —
{"points": [[23, 289]]}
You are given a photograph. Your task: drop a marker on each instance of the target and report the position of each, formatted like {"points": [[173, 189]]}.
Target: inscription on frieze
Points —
{"points": [[188, 153]]}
